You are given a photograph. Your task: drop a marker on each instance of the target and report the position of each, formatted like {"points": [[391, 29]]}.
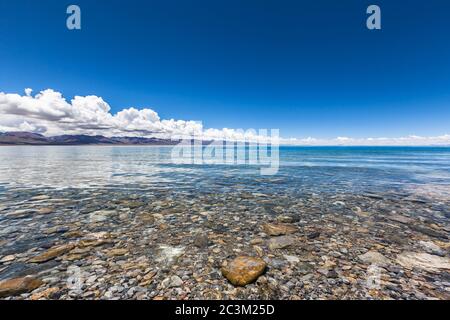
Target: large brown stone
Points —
{"points": [[17, 286], [52, 253], [243, 270], [278, 229]]}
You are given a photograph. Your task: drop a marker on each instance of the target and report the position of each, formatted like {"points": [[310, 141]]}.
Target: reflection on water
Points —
{"points": [[315, 169]]}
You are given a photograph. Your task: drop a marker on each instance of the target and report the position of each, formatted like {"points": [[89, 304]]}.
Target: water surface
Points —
{"points": [[421, 170]]}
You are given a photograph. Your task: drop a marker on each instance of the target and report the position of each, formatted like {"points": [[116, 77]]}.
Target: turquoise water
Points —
{"points": [[423, 171]]}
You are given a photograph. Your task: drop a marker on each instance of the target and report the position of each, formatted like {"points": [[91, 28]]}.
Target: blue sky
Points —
{"points": [[310, 68]]}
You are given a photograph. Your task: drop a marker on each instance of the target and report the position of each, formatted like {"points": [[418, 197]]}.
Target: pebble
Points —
{"points": [[277, 229], [373, 257], [281, 242], [9, 258], [201, 240], [52, 253]]}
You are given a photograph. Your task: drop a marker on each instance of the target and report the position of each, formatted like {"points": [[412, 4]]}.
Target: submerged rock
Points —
{"points": [[168, 254], [20, 269], [201, 240], [52, 253], [424, 261], [243, 270], [8, 258], [40, 197], [171, 282], [116, 252], [313, 235], [46, 294], [277, 229], [45, 210], [401, 219], [281, 242], [431, 247], [133, 204], [291, 259], [100, 216], [428, 231], [19, 285], [374, 257]]}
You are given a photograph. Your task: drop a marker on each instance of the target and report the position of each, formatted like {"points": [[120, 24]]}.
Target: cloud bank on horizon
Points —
{"points": [[49, 113]]}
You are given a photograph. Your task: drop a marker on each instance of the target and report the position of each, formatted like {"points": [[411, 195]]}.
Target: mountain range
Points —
{"points": [[29, 138]]}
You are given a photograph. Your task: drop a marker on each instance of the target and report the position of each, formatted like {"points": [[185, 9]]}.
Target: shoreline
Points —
{"points": [[281, 146]]}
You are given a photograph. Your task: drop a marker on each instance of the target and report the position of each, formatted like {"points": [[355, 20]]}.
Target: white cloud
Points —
{"points": [[49, 113], [443, 140], [28, 91]]}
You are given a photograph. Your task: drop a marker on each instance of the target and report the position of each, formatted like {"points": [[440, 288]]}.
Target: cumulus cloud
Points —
{"points": [[49, 113]]}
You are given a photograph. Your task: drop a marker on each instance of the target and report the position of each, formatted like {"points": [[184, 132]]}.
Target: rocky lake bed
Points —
{"points": [[107, 243]]}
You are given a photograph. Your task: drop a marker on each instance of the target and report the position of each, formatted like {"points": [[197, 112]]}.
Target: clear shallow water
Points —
{"points": [[424, 171], [344, 202]]}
